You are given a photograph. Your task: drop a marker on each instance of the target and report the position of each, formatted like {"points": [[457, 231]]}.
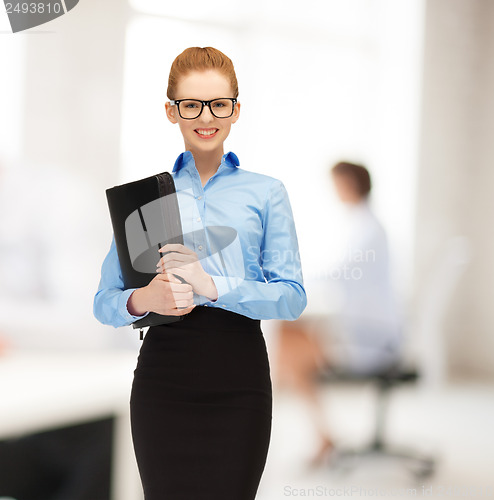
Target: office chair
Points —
{"points": [[420, 465], [430, 370]]}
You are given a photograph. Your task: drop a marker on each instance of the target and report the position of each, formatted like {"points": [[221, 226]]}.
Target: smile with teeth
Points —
{"points": [[206, 131]]}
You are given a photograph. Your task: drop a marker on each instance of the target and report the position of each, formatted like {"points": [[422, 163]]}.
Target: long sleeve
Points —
{"points": [[110, 301], [272, 287]]}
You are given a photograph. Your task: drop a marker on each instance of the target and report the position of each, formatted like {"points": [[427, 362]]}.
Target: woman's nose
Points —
{"points": [[206, 114]]}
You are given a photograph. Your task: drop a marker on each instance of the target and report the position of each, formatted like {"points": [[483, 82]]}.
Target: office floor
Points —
{"points": [[455, 424]]}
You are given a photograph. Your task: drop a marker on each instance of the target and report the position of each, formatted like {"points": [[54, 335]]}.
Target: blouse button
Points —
{"points": [[200, 247]]}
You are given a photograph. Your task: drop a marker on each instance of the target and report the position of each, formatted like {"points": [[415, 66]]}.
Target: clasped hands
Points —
{"points": [[168, 295], [182, 261]]}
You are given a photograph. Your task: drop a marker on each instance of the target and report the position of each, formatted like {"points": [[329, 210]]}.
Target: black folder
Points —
{"points": [[145, 216]]}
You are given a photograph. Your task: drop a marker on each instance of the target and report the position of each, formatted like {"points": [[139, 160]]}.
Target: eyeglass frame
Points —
{"points": [[204, 103]]}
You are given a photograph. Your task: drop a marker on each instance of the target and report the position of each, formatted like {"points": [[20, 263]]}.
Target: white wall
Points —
{"points": [[456, 171], [60, 127]]}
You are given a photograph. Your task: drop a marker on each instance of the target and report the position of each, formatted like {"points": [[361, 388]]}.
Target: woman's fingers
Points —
{"points": [[175, 260], [177, 252], [175, 247], [181, 312], [167, 277], [183, 299], [180, 271], [169, 296], [177, 257], [172, 264], [182, 294], [180, 287]]}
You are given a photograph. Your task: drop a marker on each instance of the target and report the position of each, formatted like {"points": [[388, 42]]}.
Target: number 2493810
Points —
{"points": [[34, 8]]}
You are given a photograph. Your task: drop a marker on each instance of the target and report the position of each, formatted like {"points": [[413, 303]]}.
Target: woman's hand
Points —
{"points": [[164, 294], [183, 262]]}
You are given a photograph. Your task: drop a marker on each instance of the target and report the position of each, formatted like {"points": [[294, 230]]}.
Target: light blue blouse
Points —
{"points": [[240, 225]]}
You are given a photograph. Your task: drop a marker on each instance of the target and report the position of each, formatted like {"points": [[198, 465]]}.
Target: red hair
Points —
{"points": [[197, 59]]}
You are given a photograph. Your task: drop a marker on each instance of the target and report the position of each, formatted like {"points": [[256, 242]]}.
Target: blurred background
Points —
{"points": [[403, 87]]}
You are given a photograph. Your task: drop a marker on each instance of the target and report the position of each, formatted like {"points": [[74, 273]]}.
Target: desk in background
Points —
{"points": [[43, 390]]}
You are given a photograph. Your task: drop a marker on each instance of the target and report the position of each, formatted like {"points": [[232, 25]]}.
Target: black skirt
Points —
{"points": [[201, 407]]}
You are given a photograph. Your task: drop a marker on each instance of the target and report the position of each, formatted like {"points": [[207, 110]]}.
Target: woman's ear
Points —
{"points": [[171, 112], [236, 112]]}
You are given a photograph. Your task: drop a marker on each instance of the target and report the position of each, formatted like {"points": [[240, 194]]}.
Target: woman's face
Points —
{"points": [[203, 85]]}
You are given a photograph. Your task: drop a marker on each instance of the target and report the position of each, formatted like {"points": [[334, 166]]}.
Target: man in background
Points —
{"points": [[363, 333]]}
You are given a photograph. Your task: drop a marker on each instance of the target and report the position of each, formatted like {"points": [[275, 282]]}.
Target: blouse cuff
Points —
{"points": [[122, 306], [224, 285]]}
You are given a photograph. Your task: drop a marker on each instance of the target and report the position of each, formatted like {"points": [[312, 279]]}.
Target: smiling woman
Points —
{"points": [[197, 121], [201, 400]]}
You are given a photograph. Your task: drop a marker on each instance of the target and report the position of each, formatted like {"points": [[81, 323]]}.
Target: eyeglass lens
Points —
{"points": [[221, 108]]}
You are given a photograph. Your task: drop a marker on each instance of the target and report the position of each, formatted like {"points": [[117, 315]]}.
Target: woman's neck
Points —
{"points": [[207, 163]]}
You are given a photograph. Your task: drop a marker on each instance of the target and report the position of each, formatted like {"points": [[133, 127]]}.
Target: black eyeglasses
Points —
{"points": [[189, 109]]}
